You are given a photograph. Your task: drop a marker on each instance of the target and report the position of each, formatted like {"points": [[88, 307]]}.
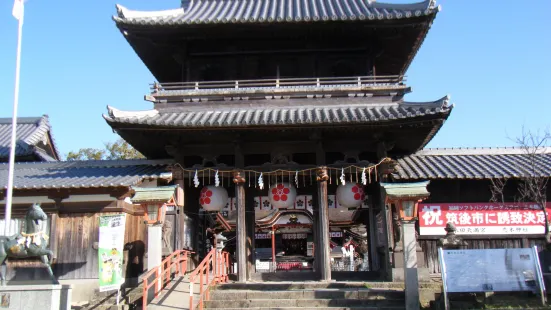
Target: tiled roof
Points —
{"points": [[471, 163], [153, 194], [83, 174], [401, 190], [270, 113], [30, 132], [271, 11]]}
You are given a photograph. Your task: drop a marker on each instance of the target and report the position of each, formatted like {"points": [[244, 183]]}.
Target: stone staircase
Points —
{"points": [[130, 299], [305, 295]]}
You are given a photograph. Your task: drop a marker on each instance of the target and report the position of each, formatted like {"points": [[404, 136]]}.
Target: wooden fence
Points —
{"points": [[76, 235]]}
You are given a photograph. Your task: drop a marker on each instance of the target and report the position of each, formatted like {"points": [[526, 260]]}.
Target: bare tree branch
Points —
{"points": [[497, 189], [533, 181]]}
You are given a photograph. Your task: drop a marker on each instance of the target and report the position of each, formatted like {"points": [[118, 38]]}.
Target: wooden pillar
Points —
{"points": [[241, 228], [324, 258], [250, 231], [273, 269], [316, 233]]}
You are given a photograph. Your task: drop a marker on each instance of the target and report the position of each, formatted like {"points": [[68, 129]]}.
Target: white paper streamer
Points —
{"points": [[343, 181], [196, 179], [364, 177], [216, 179], [296, 178], [260, 182]]}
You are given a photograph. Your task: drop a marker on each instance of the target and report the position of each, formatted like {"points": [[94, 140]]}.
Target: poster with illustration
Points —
{"points": [[110, 251]]}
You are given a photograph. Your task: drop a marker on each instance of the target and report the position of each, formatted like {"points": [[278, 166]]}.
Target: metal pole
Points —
{"points": [[444, 275], [13, 129]]}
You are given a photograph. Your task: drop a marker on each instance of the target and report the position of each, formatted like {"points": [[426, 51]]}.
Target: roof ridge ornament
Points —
{"points": [[126, 13], [116, 113]]}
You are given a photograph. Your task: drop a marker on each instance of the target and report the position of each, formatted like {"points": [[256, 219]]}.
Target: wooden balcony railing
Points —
{"points": [[357, 81]]}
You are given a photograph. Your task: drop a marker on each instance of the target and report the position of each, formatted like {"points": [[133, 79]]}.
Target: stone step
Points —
{"points": [[278, 286], [308, 303], [364, 294], [319, 308]]}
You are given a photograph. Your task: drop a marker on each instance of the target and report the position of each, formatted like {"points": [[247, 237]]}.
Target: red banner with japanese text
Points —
{"points": [[482, 218]]}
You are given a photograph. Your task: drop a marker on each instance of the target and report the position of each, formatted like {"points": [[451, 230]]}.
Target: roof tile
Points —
{"points": [[82, 174], [475, 163], [269, 11]]}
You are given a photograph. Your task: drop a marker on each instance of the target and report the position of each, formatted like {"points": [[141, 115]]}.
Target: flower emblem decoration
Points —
{"points": [[359, 193], [280, 192], [206, 195]]}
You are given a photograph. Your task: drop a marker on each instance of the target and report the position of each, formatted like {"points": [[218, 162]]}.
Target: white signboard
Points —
{"points": [[492, 270], [262, 265]]}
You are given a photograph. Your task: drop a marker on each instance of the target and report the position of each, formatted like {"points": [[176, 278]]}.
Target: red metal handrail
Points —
{"points": [[220, 263], [164, 270]]}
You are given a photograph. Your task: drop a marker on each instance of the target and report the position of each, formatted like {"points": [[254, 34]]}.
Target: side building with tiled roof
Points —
{"points": [[74, 194], [463, 184], [35, 141]]}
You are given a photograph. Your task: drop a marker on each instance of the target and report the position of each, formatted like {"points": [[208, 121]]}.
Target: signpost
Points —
{"points": [[493, 270], [110, 252]]}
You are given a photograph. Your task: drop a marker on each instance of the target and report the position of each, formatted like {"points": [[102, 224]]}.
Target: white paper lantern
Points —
{"points": [[350, 195], [213, 198], [282, 195]]}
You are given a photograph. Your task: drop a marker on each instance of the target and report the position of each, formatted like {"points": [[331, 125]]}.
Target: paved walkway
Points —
{"points": [[176, 295]]}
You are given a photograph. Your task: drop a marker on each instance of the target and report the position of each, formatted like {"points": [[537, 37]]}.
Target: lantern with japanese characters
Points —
{"points": [[213, 198], [282, 195], [350, 195]]}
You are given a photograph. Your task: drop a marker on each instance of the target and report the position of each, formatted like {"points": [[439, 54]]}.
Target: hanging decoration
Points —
{"points": [[213, 198], [196, 179], [282, 195], [260, 181], [278, 176], [350, 195], [343, 181], [216, 179]]}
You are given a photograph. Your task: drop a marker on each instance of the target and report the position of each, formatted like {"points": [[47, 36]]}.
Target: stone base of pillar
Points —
{"points": [[422, 274]]}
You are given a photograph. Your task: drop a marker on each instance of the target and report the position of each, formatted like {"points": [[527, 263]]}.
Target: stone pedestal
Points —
{"points": [[47, 297]]}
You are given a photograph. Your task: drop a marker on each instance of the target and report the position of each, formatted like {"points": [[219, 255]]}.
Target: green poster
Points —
{"points": [[110, 251]]}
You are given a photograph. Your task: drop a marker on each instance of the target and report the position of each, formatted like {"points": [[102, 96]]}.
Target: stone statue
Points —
{"points": [[364, 249], [167, 234], [451, 241], [29, 243], [397, 228]]}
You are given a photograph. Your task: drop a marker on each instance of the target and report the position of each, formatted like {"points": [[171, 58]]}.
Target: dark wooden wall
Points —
{"points": [[75, 237]]}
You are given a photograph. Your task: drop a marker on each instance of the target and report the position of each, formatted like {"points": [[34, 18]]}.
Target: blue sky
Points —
{"points": [[492, 57]]}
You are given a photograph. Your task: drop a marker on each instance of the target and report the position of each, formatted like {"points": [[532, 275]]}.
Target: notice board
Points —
{"points": [[491, 270]]}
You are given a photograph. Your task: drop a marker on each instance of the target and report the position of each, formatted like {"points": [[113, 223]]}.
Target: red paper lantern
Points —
{"points": [[282, 195], [213, 198], [350, 195]]}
